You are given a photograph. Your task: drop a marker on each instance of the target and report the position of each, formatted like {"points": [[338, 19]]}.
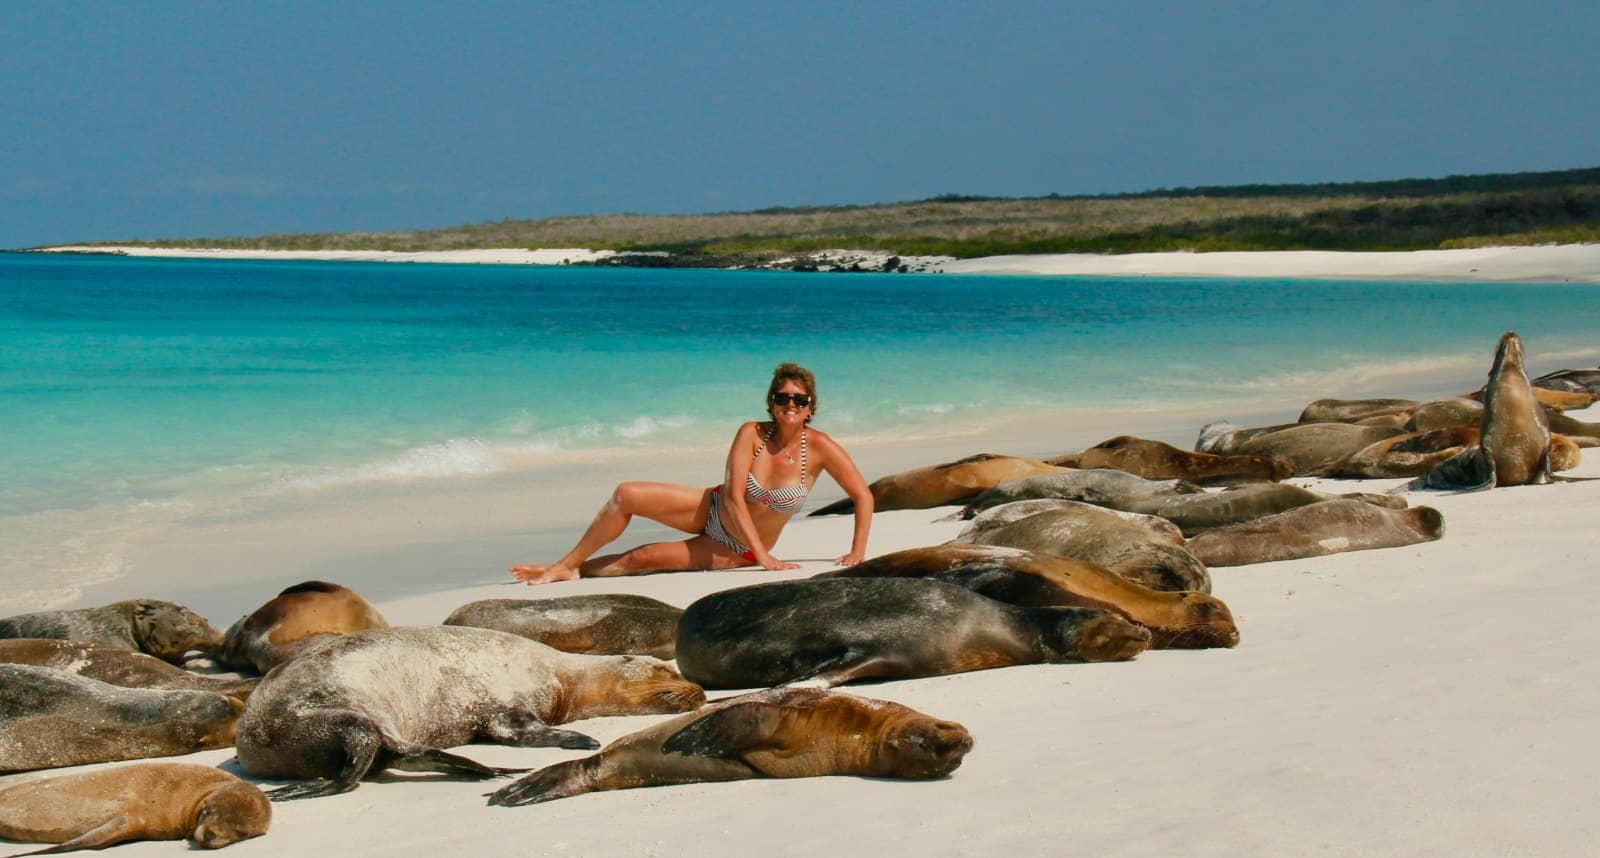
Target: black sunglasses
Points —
{"points": [[800, 400]]}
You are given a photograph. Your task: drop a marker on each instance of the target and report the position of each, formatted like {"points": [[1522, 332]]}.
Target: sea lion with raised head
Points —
{"points": [[1329, 527], [1156, 460], [951, 482], [143, 801], [162, 629], [1105, 487], [597, 624], [116, 665], [1176, 620], [50, 718], [392, 698], [833, 631], [299, 617], [1142, 548], [1308, 446], [778, 733], [1196, 513], [1513, 446]]}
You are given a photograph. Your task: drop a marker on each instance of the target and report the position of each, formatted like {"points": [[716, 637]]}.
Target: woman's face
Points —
{"points": [[787, 412]]}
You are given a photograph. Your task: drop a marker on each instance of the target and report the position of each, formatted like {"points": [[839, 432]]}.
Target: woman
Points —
{"points": [[771, 468]]}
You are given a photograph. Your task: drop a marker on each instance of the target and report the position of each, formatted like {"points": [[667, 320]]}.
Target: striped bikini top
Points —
{"points": [[786, 500]]}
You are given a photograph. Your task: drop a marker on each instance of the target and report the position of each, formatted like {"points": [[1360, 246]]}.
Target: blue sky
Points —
{"points": [[146, 120]]}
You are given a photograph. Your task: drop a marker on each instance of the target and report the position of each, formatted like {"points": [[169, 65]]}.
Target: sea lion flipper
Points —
{"points": [[562, 780], [314, 788], [424, 759], [730, 732], [109, 833], [1468, 471]]}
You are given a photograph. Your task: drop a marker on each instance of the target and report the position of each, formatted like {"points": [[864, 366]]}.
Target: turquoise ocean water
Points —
{"points": [[133, 388]]}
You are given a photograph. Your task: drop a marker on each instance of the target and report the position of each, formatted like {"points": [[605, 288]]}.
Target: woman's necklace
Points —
{"points": [[785, 451]]}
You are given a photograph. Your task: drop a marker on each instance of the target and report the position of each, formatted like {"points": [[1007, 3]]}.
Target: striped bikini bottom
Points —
{"points": [[719, 534]]}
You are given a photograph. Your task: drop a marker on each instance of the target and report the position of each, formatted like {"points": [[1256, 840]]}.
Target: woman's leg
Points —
{"points": [[700, 552], [680, 507]]}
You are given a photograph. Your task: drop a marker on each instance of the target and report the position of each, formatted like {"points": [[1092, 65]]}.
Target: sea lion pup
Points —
{"points": [[952, 482], [1572, 380], [143, 801], [1329, 527], [598, 624], [832, 631], [391, 698], [1187, 620], [118, 666], [1105, 487], [299, 617], [778, 733], [1155, 460], [1514, 437], [1350, 410], [162, 629], [1195, 513], [50, 718], [1142, 548], [1308, 446]]}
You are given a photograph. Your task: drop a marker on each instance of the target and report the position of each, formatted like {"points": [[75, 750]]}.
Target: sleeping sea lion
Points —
{"points": [[144, 801], [1350, 410], [1514, 437], [391, 698], [299, 617], [1409, 455], [1196, 513], [952, 482], [597, 624], [116, 665], [1572, 380], [1155, 460], [1552, 400], [50, 718], [1142, 548], [1329, 527], [1105, 487], [162, 629], [1308, 446], [837, 630], [779, 733]]}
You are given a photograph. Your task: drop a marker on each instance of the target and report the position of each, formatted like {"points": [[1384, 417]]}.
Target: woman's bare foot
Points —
{"points": [[529, 574]]}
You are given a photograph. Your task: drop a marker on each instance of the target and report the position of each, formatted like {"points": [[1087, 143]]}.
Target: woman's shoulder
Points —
{"points": [[822, 439]]}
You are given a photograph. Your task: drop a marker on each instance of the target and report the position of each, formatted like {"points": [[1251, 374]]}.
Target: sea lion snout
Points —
{"points": [[927, 748], [231, 814]]}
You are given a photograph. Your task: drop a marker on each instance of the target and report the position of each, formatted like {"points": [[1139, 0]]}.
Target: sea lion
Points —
{"points": [[143, 801], [1176, 620], [1155, 460], [1222, 437], [116, 665], [391, 698], [1196, 513], [1142, 548], [162, 629], [833, 631], [50, 718], [1350, 410], [1444, 414], [598, 624], [1573, 380], [1329, 527], [1514, 437], [1557, 400], [1308, 446], [952, 482], [297, 618], [1105, 487], [778, 733]]}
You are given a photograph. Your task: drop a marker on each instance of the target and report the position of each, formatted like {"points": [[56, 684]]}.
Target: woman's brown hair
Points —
{"points": [[798, 374]]}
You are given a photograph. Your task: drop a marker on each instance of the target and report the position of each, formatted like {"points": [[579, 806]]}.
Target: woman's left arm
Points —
{"points": [[837, 464]]}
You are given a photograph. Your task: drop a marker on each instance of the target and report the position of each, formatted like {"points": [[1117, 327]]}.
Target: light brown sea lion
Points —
{"points": [[50, 718], [116, 665], [391, 698], [832, 631], [779, 733], [297, 618], [162, 629], [1350, 410], [1514, 439], [144, 801], [1155, 460], [1105, 487], [1308, 446], [1409, 455], [1142, 548], [1576, 380], [1176, 620], [1445, 413], [597, 624], [1559, 400], [1196, 513], [1322, 528], [952, 482]]}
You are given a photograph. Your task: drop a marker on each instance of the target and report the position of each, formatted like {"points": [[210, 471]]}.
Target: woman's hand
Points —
{"points": [[854, 558], [773, 564]]}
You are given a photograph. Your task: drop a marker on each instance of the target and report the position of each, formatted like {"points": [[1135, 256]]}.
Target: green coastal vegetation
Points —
{"points": [[1407, 214]]}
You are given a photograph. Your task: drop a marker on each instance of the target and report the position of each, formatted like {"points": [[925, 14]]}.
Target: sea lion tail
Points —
{"points": [[562, 780]]}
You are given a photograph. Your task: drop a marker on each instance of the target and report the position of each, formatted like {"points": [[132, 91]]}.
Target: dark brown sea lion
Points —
{"points": [[1514, 439], [144, 801], [1196, 513], [779, 733], [162, 629], [1186, 620], [1573, 380], [50, 718], [1308, 446], [116, 665], [1105, 487], [1408, 455], [1350, 410], [1445, 413], [832, 631], [1155, 460], [299, 617], [1142, 548], [1329, 527], [597, 624], [391, 698], [952, 482]]}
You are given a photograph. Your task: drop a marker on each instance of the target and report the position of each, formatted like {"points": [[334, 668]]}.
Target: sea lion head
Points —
{"points": [[167, 630], [1090, 634], [1508, 355], [1206, 623], [917, 746], [635, 685], [235, 812], [206, 719]]}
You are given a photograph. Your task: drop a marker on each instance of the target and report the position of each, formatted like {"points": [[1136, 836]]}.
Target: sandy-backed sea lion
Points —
{"points": [[952, 482], [1308, 446], [1409, 455], [837, 630], [779, 733], [1223, 437], [1329, 527], [598, 624], [162, 629], [1350, 410], [391, 698], [1573, 380], [116, 665], [1176, 620], [144, 801], [299, 617], [1195, 513], [1156, 460], [1514, 437], [1105, 487], [1142, 548], [50, 718]]}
